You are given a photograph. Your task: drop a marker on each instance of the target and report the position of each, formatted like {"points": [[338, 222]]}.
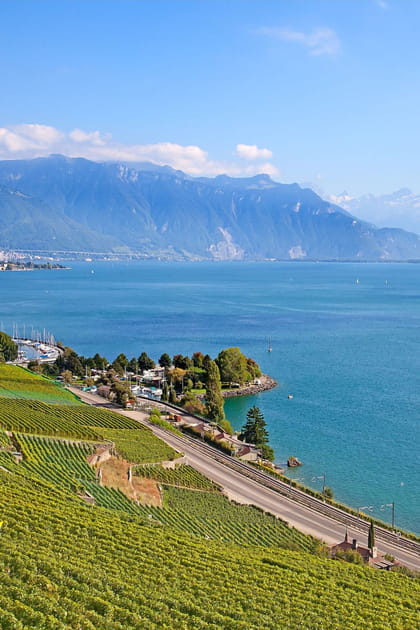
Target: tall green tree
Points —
{"points": [[173, 399], [165, 392], [165, 360], [145, 362], [371, 536], [233, 366], [182, 362], [132, 365], [254, 429], [121, 393], [197, 359], [69, 360], [214, 399], [8, 348], [121, 359], [100, 362]]}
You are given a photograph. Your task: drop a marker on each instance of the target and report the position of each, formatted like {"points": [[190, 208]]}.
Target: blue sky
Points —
{"points": [[316, 91]]}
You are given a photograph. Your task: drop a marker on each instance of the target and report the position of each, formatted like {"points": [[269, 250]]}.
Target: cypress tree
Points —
{"points": [[214, 399], [165, 392]]}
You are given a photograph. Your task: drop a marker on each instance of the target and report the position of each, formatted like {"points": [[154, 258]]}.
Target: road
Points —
{"points": [[244, 484]]}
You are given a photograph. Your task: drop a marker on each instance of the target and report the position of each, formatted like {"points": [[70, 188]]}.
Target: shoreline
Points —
{"points": [[267, 383]]}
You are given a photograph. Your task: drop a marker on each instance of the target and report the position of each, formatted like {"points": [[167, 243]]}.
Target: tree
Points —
{"points": [[371, 536], [214, 399], [253, 368], [121, 359], [206, 362], [100, 362], [197, 359], [254, 430], [173, 397], [145, 362], [192, 404], [35, 366], [121, 393], [8, 348], [69, 360], [67, 377], [233, 366], [182, 362], [165, 392], [226, 426], [133, 365], [267, 452], [165, 360], [328, 492]]}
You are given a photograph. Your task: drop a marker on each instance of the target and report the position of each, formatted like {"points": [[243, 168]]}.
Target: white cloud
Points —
{"points": [[251, 152], [319, 41], [28, 141]]}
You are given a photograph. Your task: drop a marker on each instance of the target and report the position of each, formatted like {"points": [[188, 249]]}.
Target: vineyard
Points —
{"points": [[183, 476], [61, 463], [82, 421], [65, 565], [16, 382], [139, 446], [198, 562]]}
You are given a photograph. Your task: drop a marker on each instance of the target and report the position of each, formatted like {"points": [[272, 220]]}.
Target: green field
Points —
{"points": [[16, 382]]}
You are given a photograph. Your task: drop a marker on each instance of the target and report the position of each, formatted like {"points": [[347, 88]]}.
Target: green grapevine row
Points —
{"points": [[15, 382], [65, 565], [139, 446], [184, 476]]}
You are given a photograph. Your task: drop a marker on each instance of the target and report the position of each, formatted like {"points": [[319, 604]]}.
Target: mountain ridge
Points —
{"points": [[74, 203]]}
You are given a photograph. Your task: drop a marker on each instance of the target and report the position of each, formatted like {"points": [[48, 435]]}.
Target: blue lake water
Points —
{"points": [[345, 340]]}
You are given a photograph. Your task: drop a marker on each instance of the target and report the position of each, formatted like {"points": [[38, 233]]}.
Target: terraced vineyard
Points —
{"points": [[61, 463], [139, 446], [15, 382], [81, 421], [65, 565], [186, 511], [184, 476]]}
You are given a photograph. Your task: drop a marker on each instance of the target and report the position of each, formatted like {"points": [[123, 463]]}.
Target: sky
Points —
{"points": [[318, 91]]}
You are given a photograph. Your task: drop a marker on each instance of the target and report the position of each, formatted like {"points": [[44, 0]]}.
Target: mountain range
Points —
{"points": [[73, 204]]}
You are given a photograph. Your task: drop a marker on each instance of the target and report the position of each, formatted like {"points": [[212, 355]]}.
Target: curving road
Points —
{"points": [[245, 484]]}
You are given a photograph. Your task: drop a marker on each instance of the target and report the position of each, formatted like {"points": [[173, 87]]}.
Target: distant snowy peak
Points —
{"points": [[400, 208]]}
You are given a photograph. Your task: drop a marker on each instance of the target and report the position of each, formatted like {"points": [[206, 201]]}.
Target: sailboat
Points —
{"points": [[270, 348]]}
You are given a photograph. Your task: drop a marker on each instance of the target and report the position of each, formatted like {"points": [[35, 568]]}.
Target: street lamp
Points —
{"points": [[391, 505], [382, 507], [323, 477]]}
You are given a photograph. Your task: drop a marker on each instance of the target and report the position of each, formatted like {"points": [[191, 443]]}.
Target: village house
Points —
{"points": [[370, 556]]}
